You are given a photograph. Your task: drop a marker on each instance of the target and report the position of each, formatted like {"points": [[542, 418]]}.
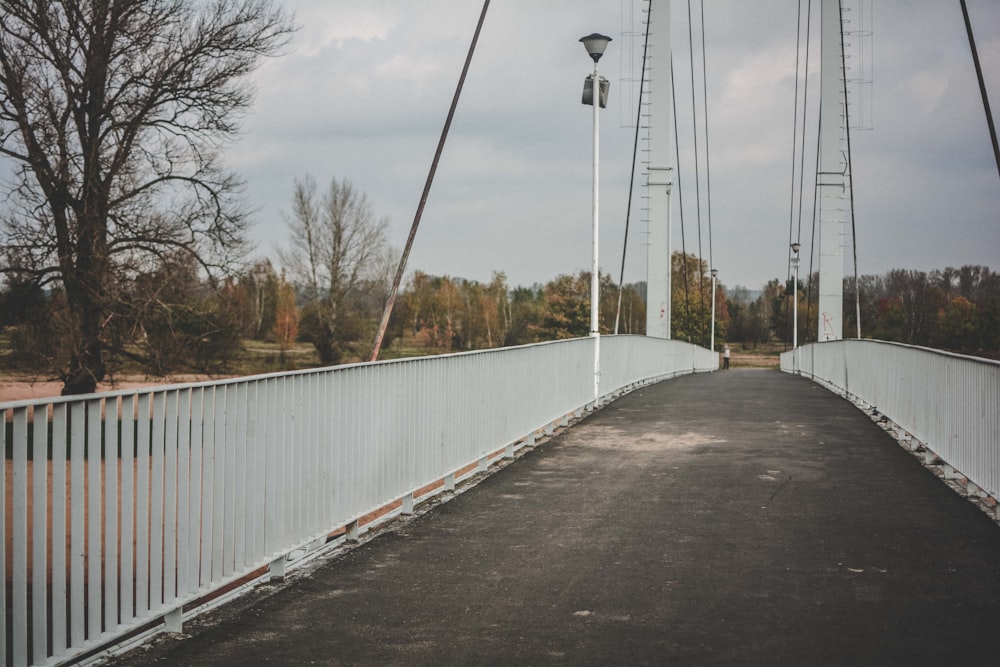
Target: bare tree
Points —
{"points": [[114, 113], [338, 255]]}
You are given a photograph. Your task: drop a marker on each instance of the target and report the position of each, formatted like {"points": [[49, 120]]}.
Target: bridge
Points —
{"points": [[645, 506], [742, 517], [689, 512]]}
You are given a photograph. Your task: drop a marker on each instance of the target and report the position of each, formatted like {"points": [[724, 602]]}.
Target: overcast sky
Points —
{"points": [[363, 89]]}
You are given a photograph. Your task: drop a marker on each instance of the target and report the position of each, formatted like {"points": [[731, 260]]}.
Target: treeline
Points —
{"points": [[172, 317], [179, 322], [950, 309]]}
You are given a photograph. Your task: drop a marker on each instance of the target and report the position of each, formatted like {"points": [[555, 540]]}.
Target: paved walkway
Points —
{"points": [[742, 517]]}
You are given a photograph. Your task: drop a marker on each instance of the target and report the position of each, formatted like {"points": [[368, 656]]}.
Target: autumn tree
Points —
{"points": [[286, 317], [691, 300], [176, 321], [341, 259], [113, 113], [253, 297]]}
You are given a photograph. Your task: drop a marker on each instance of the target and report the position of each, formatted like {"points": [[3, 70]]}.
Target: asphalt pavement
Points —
{"points": [[743, 517]]}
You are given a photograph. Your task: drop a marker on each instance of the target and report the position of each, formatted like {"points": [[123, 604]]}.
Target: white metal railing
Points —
{"points": [[948, 402], [121, 508]]}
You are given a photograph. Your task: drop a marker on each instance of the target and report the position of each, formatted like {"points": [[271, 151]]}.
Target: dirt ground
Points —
{"points": [[750, 360], [17, 389]]}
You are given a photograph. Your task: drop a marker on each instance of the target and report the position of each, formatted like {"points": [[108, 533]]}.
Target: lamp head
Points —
{"points": [[595, 43], [795, 248], [715, 272]]}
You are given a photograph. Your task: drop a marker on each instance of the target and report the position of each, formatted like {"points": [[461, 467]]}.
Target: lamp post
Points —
{"points": [[715, 274], [795, 295], [595, 44]]}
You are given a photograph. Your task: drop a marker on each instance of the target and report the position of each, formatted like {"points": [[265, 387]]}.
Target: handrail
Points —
{"points": [[948, 403], [128, 507]]}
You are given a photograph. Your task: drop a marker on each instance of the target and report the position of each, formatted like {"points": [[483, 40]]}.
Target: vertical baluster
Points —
{"points": [[110, 465], [299, 457], [19, 544], [128, 508], [270, 472], [144, 428], [78, 547], [170, 411], [241, 454], [196, 504], [39, 534], [3, 536], [212, 396], [263, 412], [286, 459], [94, 555], [254, 508], [183, 492], [60, 491], [156, 504], [219, 482], [313, 414], [229, 497]]}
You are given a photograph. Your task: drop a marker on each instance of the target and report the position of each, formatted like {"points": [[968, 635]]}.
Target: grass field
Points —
{"points": [[765, 355]]}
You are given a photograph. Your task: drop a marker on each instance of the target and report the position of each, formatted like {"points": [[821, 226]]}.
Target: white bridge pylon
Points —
{"points": [[660, 171], [832, 179]]}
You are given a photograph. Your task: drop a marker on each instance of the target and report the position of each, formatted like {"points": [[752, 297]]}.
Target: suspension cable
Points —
{"points": [[982, 85], [390, 302]]}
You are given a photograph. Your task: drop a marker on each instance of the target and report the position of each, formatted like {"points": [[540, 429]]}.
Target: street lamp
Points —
{"points": [[715, 274], [595, 44], [795, 295]]}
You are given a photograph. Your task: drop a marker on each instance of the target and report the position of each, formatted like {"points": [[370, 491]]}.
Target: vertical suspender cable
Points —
{"points": [[697, 170], [390, 302], [795, 136], [708, 165], [812, 240], [801, 157], [631, 183], [802, 171], [805, 108], [982, 85], [680, 204]]}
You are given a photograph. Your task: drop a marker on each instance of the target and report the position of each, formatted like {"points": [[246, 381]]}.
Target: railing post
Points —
{"points": [[353, 531], [173, 620], [276, 570]]}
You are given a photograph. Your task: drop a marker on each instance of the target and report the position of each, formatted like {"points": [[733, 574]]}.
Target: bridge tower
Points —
{"points": [[832, 179], [660, 170]]}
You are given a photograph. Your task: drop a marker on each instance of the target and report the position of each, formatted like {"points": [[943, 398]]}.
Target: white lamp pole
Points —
{"points": [[715, 273], [795, 296], [595, 44]]}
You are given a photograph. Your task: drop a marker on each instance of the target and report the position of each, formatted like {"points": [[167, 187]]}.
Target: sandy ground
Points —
{"points": [[14, 389]]}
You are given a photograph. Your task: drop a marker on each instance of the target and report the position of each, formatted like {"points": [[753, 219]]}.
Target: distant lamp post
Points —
{"points": [[795, 295], [715, 274], [595, 44]]}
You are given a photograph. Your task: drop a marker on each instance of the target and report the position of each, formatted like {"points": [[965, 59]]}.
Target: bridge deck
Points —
{"points": [[742, 517]]}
